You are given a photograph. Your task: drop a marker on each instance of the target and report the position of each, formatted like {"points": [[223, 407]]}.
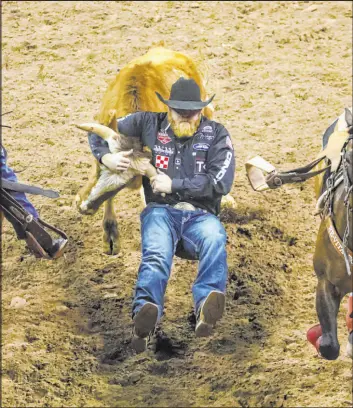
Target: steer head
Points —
{"points": [[141, 156]]}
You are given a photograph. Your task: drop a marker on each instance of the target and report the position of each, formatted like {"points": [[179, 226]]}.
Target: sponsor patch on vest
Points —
{"points": [[178, 162], [206, 137], [201, 146], [162, 162], [169, 151], [200, 167], [163, 138], [224, 168], [207, 129]]}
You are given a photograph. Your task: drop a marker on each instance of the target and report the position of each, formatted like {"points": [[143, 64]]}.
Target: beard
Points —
{"points": [[184, 127]]}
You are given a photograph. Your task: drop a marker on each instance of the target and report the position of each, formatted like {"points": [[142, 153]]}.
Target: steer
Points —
{"points": [[109, 183]]}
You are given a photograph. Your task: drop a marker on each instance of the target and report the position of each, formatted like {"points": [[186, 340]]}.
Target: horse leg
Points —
{"points": [[349, 322], [111, 243], [327, 304]]}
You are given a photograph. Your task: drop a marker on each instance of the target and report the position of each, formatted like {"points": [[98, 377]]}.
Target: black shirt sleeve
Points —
{"points": [[137, 124], [140, 124]]}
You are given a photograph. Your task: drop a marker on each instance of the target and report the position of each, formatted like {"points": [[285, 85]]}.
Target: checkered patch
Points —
{"points": [[162, 162]]}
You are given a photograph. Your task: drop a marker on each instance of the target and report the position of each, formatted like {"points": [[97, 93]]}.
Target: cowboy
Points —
{"points": [[20, 212], [195, 161]]}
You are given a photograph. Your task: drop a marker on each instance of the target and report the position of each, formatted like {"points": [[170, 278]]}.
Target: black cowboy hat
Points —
{"points": [[185, 94]]}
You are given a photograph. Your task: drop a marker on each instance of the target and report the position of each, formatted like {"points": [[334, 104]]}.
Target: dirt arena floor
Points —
{"points": [[282, 72]]}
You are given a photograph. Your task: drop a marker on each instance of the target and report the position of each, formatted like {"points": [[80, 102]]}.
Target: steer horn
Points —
{"points": [[101, 130]]}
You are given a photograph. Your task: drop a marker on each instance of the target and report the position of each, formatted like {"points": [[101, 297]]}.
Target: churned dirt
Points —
{"points": [[282, 72]]}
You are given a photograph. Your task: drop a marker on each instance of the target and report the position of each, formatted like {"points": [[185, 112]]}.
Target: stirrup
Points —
{"points": [[36, 247]]}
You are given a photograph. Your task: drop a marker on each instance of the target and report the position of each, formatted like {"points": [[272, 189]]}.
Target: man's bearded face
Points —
{"points": [[185, 124]]}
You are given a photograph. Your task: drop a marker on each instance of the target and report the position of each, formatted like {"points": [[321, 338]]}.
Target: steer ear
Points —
{"points": [[101, 130]]}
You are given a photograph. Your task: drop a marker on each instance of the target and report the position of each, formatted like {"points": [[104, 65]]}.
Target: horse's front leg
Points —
{"points": [[111, 242], [328, 301]]}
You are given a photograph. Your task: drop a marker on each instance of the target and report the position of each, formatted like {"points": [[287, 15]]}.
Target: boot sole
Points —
{"points": [[144, 321], [212, 310], [139, 344]]}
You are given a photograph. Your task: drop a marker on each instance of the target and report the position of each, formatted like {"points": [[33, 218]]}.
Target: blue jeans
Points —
{"points": [[8, 174], [203, 237]]}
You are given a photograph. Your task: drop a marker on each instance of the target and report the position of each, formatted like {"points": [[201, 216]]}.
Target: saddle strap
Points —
{"points": [[24, 188], [338, 244]]}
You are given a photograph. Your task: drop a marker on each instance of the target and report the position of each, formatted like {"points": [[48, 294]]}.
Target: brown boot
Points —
{"points": [[145, 322], [210, 312]]}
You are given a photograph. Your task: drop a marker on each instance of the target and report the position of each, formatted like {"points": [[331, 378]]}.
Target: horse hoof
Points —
{"points": [[313, 335], [329, 352], [111, 242], [111, 247]]}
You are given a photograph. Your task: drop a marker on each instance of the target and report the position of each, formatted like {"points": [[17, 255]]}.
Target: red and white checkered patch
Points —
{"points": [[162, 162]]}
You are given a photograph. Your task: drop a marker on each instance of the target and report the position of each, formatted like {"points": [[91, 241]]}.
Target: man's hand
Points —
{"points": [[117, 161], [161, 183]]}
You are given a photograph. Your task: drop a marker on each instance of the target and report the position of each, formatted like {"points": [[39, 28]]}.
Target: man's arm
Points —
{"points": [[219, 176]]}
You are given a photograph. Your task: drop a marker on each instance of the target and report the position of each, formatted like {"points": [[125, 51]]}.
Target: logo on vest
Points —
{"points": [[201, 146], [224, 168], [163, 138], [200, 167], [207, 137], [162, 162], [207, 129], [169, 151]]}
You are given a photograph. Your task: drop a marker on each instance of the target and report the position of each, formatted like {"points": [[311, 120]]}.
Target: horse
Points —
{"points": [[333, 260], [333, 257]]}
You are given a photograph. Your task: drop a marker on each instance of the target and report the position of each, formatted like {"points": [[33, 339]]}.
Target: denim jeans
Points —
{"points": [[203, 237]]}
